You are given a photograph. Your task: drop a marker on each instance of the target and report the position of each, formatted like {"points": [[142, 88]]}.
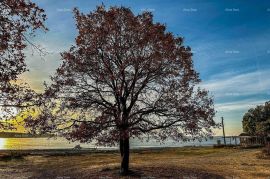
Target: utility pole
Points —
{"points": [[222, 122]]}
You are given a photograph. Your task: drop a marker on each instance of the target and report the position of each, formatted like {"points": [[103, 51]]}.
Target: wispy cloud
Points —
{"points": [[242, 105], [235, 93], [257, 82]]}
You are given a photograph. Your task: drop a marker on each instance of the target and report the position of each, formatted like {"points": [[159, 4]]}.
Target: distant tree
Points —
{"points": [[257, 120], [125, 77], [18, 18]]}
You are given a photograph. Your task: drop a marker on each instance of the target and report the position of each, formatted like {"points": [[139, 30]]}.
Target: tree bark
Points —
{"points": [[124, 150]]}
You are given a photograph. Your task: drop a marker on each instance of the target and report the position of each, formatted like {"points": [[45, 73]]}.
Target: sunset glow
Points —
{"points": [[2, 143]]}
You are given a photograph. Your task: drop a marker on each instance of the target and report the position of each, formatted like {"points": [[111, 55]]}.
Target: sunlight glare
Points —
{"points": [[2, 143]]}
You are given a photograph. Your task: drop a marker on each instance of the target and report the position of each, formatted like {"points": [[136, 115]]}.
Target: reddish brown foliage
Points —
{"points": [[17, 18], [125, 77]]}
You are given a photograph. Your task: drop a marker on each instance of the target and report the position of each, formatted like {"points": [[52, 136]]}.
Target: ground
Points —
{"points": [[188, 162]]}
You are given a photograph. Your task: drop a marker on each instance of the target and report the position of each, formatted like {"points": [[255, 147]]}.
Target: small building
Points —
{"points": [[247, 140]]}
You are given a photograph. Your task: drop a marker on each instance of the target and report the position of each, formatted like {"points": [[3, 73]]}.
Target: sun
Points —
{"points": [[2, 143]]}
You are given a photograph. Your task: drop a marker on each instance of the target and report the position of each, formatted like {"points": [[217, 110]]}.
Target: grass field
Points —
{"points": [[199, 162]]}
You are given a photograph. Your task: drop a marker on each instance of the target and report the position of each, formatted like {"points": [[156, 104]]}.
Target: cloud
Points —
{"points": [[242, 105], [235, 93], [252, 83]]}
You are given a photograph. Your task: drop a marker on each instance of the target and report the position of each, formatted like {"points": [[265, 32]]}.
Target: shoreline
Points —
{"points": [[71, 151]]}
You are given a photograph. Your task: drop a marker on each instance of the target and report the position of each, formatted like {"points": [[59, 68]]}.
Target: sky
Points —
{"points": [[230, 41]]}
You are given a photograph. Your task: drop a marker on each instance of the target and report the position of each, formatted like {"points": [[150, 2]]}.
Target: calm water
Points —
{"points": [[61, 143]]}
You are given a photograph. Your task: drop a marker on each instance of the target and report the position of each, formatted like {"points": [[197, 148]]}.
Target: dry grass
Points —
{"points": [[203, 162]]}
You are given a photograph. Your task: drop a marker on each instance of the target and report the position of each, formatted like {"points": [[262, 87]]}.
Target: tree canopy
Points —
{"points": [[125, 77], [18, 18], [257, 120]]}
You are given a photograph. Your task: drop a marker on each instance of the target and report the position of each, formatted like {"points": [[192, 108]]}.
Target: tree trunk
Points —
{"points": [[124, 150]]}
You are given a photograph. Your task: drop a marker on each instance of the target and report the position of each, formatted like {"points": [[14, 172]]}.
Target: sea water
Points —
{"points": [[61, 143]]}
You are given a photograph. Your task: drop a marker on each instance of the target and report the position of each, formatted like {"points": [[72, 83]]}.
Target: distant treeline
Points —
{"points": [[21, 135]]}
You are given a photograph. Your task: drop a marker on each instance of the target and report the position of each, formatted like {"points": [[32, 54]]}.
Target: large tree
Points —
{"points": [[18, 20], [125, 77], [257, 120]]}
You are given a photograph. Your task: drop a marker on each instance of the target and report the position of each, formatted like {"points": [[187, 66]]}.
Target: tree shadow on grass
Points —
{"points": [[157, 172], [112, 172]]}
